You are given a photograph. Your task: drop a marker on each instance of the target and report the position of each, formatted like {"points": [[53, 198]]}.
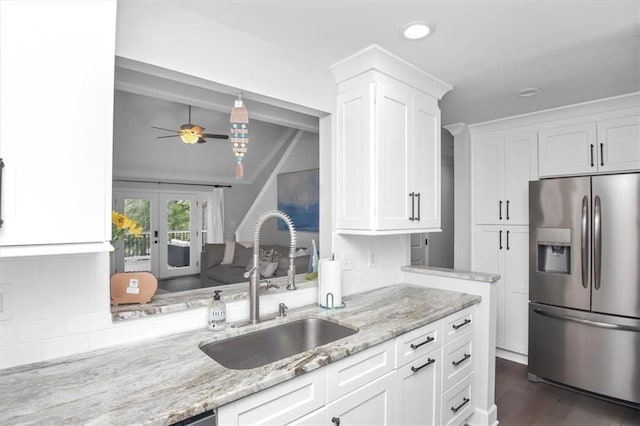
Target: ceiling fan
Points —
{"points": [[191, 133]]}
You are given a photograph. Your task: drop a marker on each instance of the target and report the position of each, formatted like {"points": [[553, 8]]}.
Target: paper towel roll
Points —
{"points": [[330, 283]]}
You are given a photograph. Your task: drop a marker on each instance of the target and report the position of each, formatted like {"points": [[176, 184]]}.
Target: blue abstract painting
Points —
{"points": [[299, 197]]}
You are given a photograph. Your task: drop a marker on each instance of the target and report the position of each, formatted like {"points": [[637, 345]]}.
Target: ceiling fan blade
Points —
{"points": [[201, 140], [170, 136], [213, 136], [168, 130]]}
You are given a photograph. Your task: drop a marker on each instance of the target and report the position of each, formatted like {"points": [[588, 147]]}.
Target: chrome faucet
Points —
{"points": [[254, 272]]}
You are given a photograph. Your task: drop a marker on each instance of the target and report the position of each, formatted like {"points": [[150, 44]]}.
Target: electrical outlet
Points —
{"points": [[347, 261], [371, 258]]}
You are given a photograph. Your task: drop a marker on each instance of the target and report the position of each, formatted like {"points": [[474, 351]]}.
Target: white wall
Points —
{"points": [[441, 243], [302, 155]]}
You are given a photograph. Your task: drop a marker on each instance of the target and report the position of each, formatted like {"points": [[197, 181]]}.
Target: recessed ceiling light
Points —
{"points": [[417, 30], [529, 91]]}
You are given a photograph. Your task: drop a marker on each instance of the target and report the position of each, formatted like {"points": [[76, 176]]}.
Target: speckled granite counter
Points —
{"points": [[183, 300], [168, 379], [453, 273]]}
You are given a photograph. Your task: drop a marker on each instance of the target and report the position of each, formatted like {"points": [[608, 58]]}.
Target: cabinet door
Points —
{"points": [[56, 121], [426, 162], [567, 150], [280, 404], [488, 256], [619, 144], [372, 404], [520, 166], [489, 180], [316, 418], [354, 157], [393, 146], [418, 390], [516, 323]]}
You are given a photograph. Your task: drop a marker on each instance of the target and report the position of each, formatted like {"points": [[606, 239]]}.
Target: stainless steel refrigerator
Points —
{"points": [[584, 284]]}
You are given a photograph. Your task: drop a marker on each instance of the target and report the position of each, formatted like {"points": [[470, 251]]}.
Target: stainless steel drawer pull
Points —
{"points": [[429, 340], [429, 362], [457, 326], [413, 206], [465, 401], [464, 358]]}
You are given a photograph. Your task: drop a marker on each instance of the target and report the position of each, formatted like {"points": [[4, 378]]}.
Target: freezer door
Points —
{"points": [[616, 244], [594, 352], [559, 242]]}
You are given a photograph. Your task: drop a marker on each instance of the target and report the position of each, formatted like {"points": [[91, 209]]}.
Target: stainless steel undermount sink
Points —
{"points": [[271, 344]]}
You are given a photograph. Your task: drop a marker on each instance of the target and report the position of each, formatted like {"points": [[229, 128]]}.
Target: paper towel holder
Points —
{"points": [[327, 306]]}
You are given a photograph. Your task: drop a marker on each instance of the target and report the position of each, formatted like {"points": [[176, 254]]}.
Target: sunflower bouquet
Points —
{"points": [[121, 225]]}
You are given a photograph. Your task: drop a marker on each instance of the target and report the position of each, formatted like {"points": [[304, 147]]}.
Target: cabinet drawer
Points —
{"points": [[458, 360], [418, 342], [280, 404], [458, 324], [457, 404], [357, 370], [419, 390]]}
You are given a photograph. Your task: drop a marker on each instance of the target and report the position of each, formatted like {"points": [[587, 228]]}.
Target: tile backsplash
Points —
{"points": [[54, 306]]}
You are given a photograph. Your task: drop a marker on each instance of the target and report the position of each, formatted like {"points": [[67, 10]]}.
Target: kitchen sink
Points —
{"points": [[272, 344]]}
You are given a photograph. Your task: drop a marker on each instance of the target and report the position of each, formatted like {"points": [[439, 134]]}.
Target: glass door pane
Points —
{"points": [[179, 240], [138, 251]]}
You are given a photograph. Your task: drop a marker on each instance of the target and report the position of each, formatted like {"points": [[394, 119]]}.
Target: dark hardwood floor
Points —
{"points": [[521, 403]]}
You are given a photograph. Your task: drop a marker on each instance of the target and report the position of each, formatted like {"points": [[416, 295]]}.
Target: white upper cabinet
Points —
{"points": [[387, 147], [504, 164], [56, 124], [601, 146]]}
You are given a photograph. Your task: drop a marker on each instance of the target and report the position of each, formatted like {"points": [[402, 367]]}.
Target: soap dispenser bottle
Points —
{"points": [[217, 315]]}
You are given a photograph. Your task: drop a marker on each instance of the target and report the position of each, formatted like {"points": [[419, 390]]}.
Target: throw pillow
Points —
{"points": [[242, 255], [268, 269], [214, 254]]}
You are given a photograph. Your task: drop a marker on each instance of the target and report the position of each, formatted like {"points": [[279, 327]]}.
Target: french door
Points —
{"points": [[170, 242]]}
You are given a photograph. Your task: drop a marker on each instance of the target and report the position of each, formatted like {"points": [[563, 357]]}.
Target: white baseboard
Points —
{"points": [[512, 356]]}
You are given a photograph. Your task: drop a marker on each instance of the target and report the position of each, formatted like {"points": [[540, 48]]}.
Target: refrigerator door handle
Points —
{"points": [[584, 245], [588, 322], [597, 242]]}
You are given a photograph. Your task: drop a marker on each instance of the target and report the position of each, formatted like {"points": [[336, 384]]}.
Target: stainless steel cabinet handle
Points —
{"points": [[1, 167], [500, 239], [597, 241], [602, 154], [507, 209], [587, 322], [584, 238], [428, 363], [500, 210], [465, 322], [413, 205], [463, 359], [508, 246], [465, 400], [592, 155], [418, 196], [429, 340]]}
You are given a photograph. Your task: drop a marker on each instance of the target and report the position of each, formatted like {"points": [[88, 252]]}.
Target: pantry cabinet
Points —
{"points": [[56, 123], [599, 146], [504, 164], [387, 146], [504, 250]]}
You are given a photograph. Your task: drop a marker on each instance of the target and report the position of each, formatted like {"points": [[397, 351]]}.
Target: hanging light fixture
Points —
{"points": [[239, 133]]}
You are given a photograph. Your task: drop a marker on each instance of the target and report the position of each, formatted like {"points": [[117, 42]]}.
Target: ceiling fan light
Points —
{"points": [[189, 137]]}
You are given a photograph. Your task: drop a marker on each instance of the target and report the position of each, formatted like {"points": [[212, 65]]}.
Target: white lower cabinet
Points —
{"points": [[402, 381]]}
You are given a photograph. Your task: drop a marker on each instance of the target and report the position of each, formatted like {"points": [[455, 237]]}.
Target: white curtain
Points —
{"points": [[215, 233]]}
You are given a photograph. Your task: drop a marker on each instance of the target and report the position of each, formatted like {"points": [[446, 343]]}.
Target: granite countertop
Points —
{"points": [[168, 379], [452, 273]]}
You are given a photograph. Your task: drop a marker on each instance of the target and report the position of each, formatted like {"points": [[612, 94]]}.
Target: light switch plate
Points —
{"points": [[347, 261], [6, 300]]}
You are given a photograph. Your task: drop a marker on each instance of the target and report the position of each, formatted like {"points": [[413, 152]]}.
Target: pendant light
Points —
{"points": [[239, 133]]}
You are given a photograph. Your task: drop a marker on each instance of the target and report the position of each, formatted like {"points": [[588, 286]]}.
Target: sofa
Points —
{"points": [[226, 263]]}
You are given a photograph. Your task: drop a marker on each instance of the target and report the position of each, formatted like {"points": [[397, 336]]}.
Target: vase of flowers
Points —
{"points": [[121, 227]]}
